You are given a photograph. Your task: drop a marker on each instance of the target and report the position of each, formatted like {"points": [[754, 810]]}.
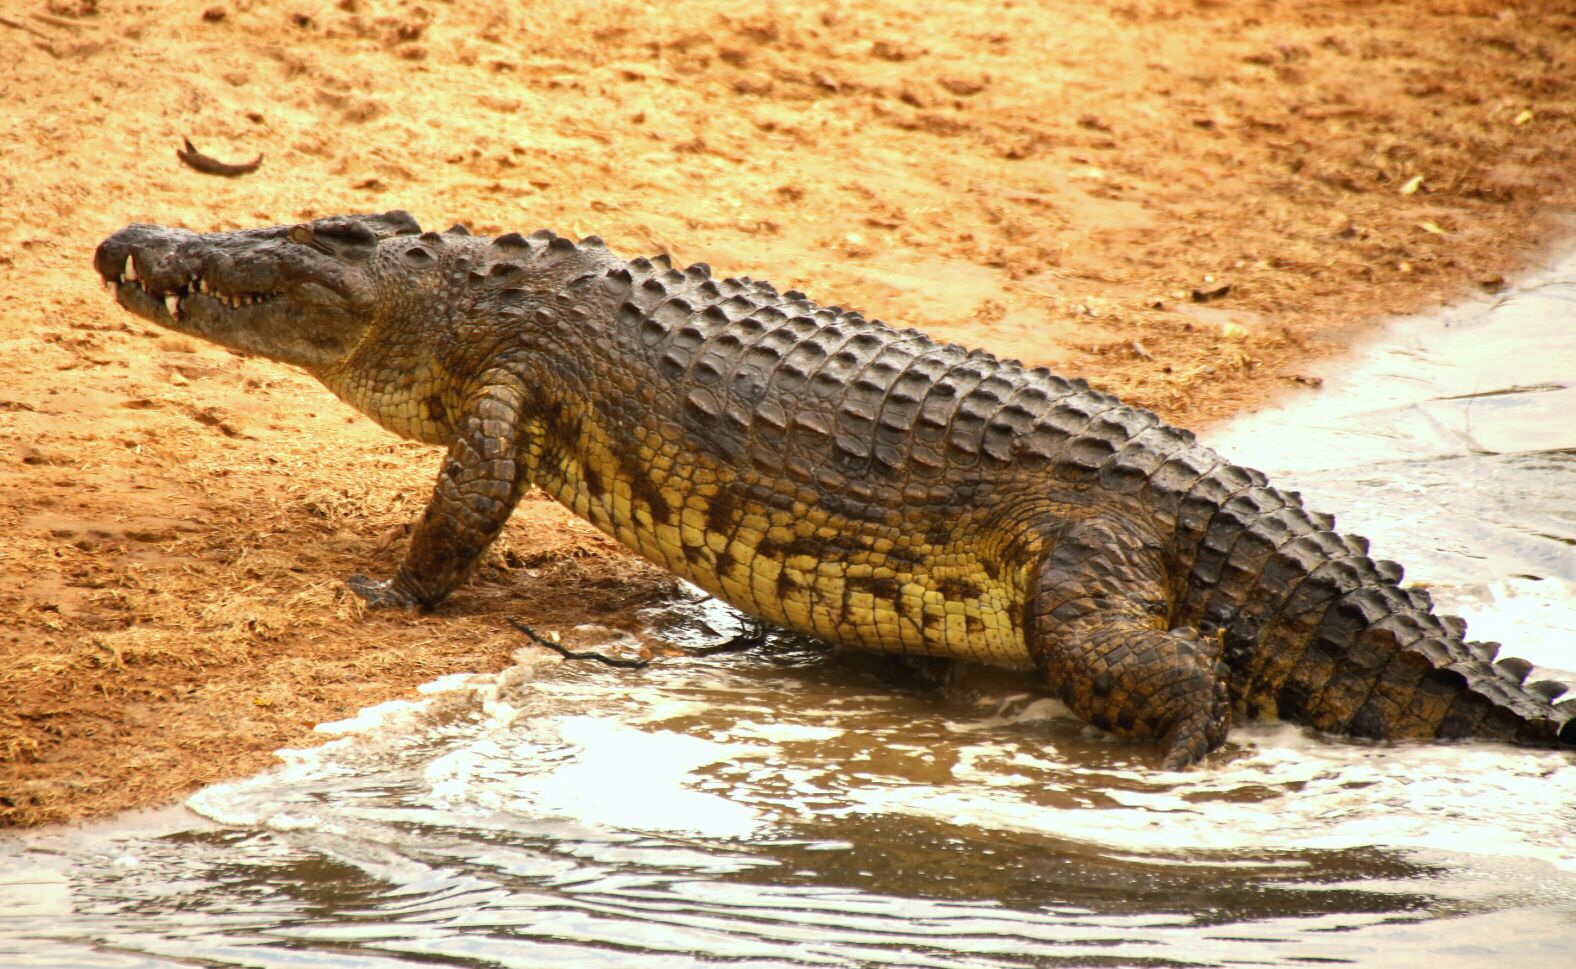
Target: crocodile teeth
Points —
{"points": [[173, 304], [129, 273]]}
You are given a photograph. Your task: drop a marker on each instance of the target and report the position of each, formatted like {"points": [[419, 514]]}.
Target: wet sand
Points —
{"points": [[1054, 182]]}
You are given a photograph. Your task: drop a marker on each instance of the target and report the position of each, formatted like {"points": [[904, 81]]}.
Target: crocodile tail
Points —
{"points": [[1317, 632], [1361, 655]]}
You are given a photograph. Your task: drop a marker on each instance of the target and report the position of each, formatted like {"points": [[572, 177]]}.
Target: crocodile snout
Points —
{"points": [[148, 254]]}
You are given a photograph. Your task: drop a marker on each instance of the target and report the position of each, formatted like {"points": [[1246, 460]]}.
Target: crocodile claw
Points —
{"points": [[1198, 732], [380, 593], [1184, 747]]}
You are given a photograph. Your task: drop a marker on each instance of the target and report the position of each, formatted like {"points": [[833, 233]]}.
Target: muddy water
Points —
{"points": [[791, 807]]}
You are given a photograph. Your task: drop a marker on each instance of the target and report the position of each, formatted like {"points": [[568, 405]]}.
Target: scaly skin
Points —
{"points": [[838, 477]]}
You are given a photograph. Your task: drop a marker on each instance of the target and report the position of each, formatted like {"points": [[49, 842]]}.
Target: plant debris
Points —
{"points": [[195, 159]]}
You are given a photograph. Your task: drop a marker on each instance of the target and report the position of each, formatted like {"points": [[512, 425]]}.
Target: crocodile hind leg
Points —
{"points": [[1096, 625]]}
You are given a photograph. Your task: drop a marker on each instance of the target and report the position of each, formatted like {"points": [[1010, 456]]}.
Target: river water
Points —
{"points": [[789, 806]]}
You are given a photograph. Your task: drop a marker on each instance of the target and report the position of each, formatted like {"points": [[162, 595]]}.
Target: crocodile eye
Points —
{"points": [[301, 234], [347, 232]]}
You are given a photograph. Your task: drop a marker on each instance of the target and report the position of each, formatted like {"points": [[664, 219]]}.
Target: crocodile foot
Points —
{"points": [[381, 593], [1200, 730], [1187, 743]]}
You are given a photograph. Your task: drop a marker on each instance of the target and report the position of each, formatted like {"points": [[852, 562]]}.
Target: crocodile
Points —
{"points": [[842, 478]]}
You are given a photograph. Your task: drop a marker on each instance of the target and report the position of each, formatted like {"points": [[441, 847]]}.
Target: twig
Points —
{"points": [[53, 20], [18, 25], [754, 635], [567, 653]]}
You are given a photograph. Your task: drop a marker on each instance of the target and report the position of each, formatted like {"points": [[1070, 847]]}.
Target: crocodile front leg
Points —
{"points": [[1096, 627], [480, 482]]}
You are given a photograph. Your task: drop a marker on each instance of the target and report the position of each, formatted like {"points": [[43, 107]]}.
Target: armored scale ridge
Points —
{"points": [[838, 477]]}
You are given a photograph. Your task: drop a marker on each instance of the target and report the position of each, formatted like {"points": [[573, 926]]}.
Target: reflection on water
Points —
{"points": [[794, 807]]}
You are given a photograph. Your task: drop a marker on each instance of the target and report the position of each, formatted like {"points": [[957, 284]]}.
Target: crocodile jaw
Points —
{"points": [[256, 292], [194, 306], [255, 322]]}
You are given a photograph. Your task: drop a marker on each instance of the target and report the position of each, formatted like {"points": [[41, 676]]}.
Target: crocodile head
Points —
{"points": [[304, 294]]}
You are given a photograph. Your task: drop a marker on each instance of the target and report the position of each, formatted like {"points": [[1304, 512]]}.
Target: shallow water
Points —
{"points": [[791, 807]]}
